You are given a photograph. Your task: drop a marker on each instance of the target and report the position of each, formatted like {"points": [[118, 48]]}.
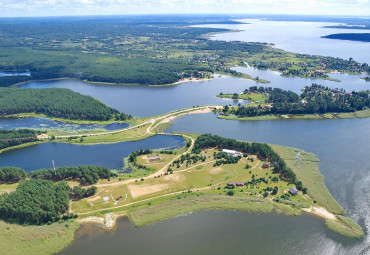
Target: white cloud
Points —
{"points": [[76, 7]]}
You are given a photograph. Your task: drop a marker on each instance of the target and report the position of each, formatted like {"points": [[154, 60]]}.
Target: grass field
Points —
{"points": [[46, 239]]}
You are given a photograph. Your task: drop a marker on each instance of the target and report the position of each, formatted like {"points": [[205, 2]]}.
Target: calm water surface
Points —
{"points": [[48, 124], [109, 155], [5, 73], [143, 101], [298, 37]]}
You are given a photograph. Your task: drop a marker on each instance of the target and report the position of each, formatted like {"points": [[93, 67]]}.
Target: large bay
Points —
{"points": [[298, 37]]}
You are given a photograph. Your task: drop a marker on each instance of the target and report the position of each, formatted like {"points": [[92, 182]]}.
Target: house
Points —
{"points": [[231, 184], [240, 184], [293, 191], [265, 165], [232, 152]]}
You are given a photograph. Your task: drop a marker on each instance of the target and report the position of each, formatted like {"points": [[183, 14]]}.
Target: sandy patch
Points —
{"points": [[93, 219], [200, 111], [42, 136], [6, 191], [142, 190], [174, 177], [215, 170], [93, 199], [321, 212]]}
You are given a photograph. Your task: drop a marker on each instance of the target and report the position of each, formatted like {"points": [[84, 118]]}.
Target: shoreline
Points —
{"points": [[345, 115]]}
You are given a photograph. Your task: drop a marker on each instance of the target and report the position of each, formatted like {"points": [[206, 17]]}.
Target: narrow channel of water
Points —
{"points": [[64, 154], [45, 124]]}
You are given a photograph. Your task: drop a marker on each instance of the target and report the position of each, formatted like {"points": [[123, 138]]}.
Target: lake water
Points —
{"points": [[46, 124], [6, 73], [143, 101], [298, 37], [64, 154]]}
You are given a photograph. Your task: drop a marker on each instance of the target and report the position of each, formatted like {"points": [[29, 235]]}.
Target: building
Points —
{"points": [[231, 184], [232, 152], [265, 165], [240, 184], [293, 191]]}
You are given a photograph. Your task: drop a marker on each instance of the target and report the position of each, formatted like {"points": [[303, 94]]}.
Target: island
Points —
{"points": [[315, 102], [208, 172], [360, 37]]}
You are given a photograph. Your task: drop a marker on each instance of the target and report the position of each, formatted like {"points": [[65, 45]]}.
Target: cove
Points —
{"points": [[208, 232], [109, 155]]}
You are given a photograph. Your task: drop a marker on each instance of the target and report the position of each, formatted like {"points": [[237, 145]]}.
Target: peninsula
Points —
{"points": [[209, 172]]}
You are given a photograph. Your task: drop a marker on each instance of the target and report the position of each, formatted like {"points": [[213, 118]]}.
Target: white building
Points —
{"points": [[232, 152]]}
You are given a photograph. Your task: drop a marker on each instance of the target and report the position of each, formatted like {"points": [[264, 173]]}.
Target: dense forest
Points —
{"points": [[9, 174], [35, 202], [85, 174], [262, 150], [145, 50], [315, 99], [361, 37], [56, 102], [15, 137]]}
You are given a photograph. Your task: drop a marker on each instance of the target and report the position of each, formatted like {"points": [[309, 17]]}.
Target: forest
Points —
{"points": [[35, 202], [315, 99], [56, 102], [85, 174], [145, 50], [262, 150], [15, 137], [9, 174]]}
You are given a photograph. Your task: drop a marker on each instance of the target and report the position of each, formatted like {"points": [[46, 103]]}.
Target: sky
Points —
{"points": [[32, 8]]}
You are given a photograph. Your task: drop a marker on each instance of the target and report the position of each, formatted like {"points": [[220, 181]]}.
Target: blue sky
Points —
{"points": [[9, 8]]}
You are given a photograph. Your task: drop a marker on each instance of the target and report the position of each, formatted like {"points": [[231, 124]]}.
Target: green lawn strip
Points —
{"points": [[46, 239], [345, 226], [183, 205], [307, 170]]}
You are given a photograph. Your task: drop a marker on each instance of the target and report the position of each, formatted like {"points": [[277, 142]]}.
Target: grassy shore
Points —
{"points": [[42, 240], [350, 115]]}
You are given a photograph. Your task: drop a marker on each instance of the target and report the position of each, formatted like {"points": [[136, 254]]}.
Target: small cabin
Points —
{"points": [[293, 191], [231, 184], [265, 165], [240, 184]]}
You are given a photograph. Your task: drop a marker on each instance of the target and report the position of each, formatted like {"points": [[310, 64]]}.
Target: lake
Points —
{"points": [[45, 124], [144, 101], [298, 37], [64, 154]]}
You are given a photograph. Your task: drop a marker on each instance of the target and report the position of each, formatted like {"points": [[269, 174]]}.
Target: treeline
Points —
{"points": [[39, 201], [10, 80], [362, 37], [132, 158], [262, 150], [315, 99], [85, 174], [11, 174], [15, 137], [56, 102]]}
